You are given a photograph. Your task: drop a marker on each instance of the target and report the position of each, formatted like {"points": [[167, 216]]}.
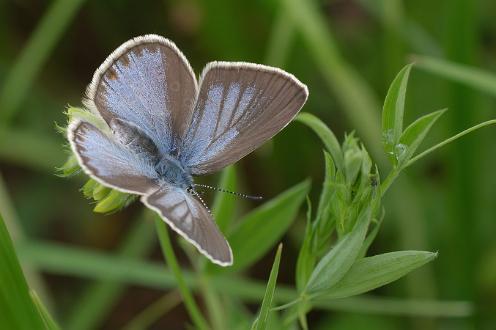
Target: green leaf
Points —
{"points": [[88, 116], [261, 321], [413, 136], [17, 308], [323, 226], [306, 259], [224, 204], [370, 237], [393, 110], [326, 135], [100, 192], [70, 167], [262, 228], [471, 76], [373, 272], [336, 263], [114, 201], [45, 316]]}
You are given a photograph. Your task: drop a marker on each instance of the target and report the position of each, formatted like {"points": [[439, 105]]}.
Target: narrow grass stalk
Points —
{"points": [[34, 55], [386, 184], [67, 261], [352, 92], [100, 297], [212, 303], [451, 139], [170, 257], [12, 222], [153, 312]]}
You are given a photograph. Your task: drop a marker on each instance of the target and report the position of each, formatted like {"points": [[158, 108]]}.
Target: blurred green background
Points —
{"points": [[347, 52]]}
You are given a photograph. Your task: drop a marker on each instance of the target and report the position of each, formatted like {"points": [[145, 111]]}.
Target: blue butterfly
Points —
{"points": [[164, 127]]}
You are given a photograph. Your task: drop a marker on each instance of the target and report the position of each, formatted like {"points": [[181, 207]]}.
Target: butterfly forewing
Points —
{"points": [[239, 107], [186, 215], [147, 81], [109, 162]]}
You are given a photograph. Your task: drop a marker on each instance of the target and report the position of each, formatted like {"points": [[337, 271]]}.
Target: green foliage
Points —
{"points": [[256, 234], [336, 263], [18, 309], [373, 272], [393, 111], [351, 177], [260, 322]]}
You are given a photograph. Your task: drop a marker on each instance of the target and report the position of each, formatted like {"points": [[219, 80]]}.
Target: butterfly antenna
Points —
{"points": [[229, 192], [194, 192]]}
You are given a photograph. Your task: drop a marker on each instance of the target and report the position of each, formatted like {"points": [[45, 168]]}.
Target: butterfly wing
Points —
{"points": [[188, 217], [239, 107], [109, 162], [146, 81]]}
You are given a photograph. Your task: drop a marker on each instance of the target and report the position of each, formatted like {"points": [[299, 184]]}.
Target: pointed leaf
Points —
{"points": [[17, 308], [261, 321], [414, 134], [393, 110], [306, 259], [336, 263], [49, 322], [373, 272], [224, 204], [263, 227], [326, 135]]}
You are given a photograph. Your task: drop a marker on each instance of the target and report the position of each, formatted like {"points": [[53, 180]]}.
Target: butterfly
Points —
{"points": [[163, 127]]}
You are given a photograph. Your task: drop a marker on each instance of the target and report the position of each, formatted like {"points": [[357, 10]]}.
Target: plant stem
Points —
{"points": [[396, 171], [389, 180], [451, 139], [154, 311], [170, 257], [35, 53]]}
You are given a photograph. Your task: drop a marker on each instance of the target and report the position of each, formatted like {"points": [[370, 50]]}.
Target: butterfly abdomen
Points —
{"points": [[134, 139]]}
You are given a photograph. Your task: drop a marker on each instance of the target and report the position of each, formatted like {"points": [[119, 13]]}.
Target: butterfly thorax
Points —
{"points": [[173, 172], [169, 168]]}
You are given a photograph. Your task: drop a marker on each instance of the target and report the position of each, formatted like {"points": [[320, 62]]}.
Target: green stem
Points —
{"points": [[212, 302], [153, 312], [386, 184], [35, 53], [389, 180], [451, 139], [170, 257]]}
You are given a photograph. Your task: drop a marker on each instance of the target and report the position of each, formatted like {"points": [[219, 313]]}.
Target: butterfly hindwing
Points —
{"points": [[110, 162], [239, 107], [187, 216], [147, 81]]}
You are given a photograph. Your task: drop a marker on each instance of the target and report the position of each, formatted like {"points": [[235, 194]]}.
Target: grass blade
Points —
{"points": [[35, 53], [414, 134], [393, 110], [470, 76], [224, 204], [263, 227], [355, 96], [71, 261], [100, 297], [189, 302], [326, 135], [50, 324], [373, 272], [261, 321], [451, 139], [18, 309]]}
